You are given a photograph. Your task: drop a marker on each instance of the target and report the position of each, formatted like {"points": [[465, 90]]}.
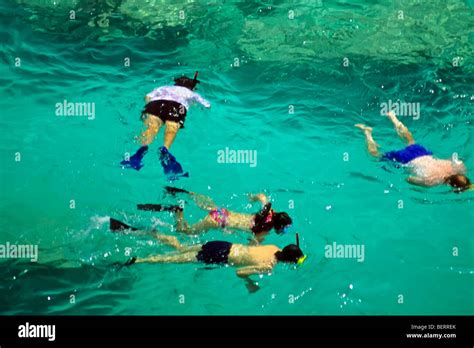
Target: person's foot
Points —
{"points": [[363, 127], [373, 146], [396, 122], [401, 129], [391, 115]]}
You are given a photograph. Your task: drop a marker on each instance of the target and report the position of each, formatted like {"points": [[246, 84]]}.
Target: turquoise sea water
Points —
{"points": [[331, 63]]}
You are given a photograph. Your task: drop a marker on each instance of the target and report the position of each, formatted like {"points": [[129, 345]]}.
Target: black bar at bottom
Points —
{"points": [[140, 330]]}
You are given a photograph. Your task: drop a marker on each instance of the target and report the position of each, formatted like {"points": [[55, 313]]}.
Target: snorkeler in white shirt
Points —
{"points": [[166, 105]]}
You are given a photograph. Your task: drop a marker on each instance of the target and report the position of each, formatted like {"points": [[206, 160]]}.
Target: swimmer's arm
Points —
{"points": [[419, 181], [154, 259], [261, 237], [152, 94], [262, 198], [201, 100], [258, 239], [246, 272], [458, 166]]}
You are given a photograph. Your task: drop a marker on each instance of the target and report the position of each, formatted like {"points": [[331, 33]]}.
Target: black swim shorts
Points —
{"points": [[214, 252], [166, 110]]}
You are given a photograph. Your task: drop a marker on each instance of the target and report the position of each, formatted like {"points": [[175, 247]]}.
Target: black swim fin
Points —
{"points": [[174, 190], [116, 225], [119, 265], [130, 261], [159, 207]]}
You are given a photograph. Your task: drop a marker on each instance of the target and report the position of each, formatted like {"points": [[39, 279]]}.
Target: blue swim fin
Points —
{"points": [[171, 167], [135, 161]]}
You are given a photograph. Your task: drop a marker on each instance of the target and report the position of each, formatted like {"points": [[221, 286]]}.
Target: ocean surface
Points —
{"points": [[287, 79]]}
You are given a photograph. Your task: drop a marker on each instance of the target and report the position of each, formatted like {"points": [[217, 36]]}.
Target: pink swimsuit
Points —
{"points": [[220, 216]]}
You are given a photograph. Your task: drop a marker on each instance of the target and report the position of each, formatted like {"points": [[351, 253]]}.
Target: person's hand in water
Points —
{"points": [[260, 197], [251, 286]]}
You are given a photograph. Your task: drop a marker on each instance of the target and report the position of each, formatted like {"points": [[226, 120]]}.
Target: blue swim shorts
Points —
{"points": [[407, 154]]}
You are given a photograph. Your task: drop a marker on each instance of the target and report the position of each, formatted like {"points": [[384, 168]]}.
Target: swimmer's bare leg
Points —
{"points": [[171, 131], [202, 226], [181, 224], [185, 257], [174, 242], [202, 201], [372, 146], [153, 124], [169, 240], [401, 129]]}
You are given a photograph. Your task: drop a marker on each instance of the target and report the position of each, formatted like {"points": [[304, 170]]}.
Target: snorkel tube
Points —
{"points": [[302, 259], [187, 82], [195, 81]]}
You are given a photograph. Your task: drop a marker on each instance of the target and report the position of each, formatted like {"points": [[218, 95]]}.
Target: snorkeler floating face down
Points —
{"points": [[426, 170], [259, 224], [166, 105], [248, 260]]}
